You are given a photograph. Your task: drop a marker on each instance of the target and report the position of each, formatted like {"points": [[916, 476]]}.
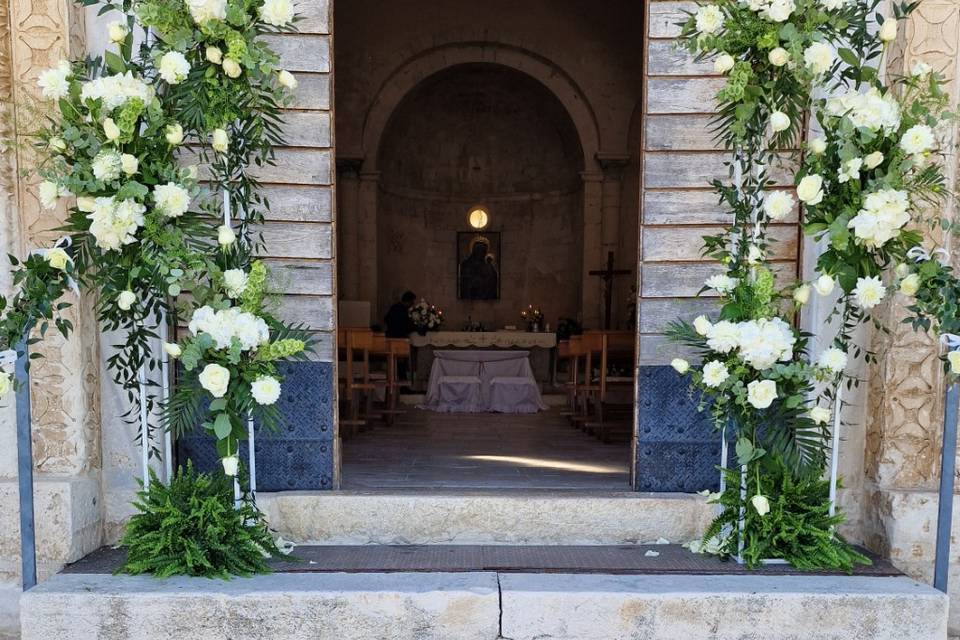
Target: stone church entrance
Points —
{"points": [[507, 135]]}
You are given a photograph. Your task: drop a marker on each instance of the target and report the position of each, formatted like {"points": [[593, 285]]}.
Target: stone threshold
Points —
{"points": [[484, 606]]}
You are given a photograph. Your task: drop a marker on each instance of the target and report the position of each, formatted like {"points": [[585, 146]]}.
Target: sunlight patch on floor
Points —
{"points": [[542, 463]]}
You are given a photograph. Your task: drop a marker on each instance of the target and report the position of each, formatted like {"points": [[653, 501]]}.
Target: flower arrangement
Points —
{"points": [[426, 317], [533, 317], [862, 187]]}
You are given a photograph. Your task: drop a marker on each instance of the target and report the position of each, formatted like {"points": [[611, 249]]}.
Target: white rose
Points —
{"points": [[778, 205], [203, 10], [277, 12], [820, 415], [174, 68], [214, 55], [54, 83], [824, 285], [953, 358], [920, 69], [709, 19], [235, 282], [6, 383], [818, 57], [902, 270], [888, 31], [48, 192], [869, 292], [117, 31], [129, 163], [110, 129], [801, 295], [174, 134], [286, 79], [265, 390], [833, 360], [810, 190], [715, 373], [849, 170], [231, 465], [701, 325], [723, 63], [780, 10], [172, 199], [680, 365], [126, 299], [761, 393], [225, 236], [221, 141], [754, 255], [761, 504], [86, 203], [58, 258], [215, 379], [232, 68], [817, 146], [873, 160], [917, 139], [778, 57], [910, 285], [172, 349], [56, 144], [779, 121]]}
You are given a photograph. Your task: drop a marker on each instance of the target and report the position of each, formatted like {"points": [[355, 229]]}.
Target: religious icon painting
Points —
{"points": [[478, 265]]}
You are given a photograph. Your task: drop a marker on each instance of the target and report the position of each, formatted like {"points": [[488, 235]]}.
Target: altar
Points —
{"points": [[541, 346]]}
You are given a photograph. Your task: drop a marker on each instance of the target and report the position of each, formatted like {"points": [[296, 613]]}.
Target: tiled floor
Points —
{"points": [[435, 451]]}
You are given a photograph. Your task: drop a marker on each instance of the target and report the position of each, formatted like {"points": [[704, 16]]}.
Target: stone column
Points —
{"points": [[348, 229], [904, 426], [368, 257], [593, 256], [66, 425]]}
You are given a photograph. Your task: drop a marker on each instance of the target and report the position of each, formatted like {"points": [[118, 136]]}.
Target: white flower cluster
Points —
{"points": [[174, 67], [709, 19], [917, 140], [114, 224], [54, 83], [778, 205], [116, 90], [883, 215], [225, 325], [833, 5], [278, 13], [172, 199], [235, 282], [759, 343], [107, 165], [203, 10], [869, 292], [49, 192], [818, 57], [868, 110], [721, 283], [773, 10]]}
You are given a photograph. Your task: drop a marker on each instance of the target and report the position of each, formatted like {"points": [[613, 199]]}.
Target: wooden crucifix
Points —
{"points": [[607, 275]]}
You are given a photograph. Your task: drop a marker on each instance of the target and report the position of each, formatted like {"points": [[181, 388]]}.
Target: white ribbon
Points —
{"points": [[950, 340], [63, 243], [919, 254]]}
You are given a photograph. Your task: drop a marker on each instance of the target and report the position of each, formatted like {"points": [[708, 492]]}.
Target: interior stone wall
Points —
{"points": [[588, 59], [491, 136]]}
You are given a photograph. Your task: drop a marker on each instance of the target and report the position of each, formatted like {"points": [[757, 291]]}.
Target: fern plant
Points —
{"points": [[191, 528], [798, 527]]}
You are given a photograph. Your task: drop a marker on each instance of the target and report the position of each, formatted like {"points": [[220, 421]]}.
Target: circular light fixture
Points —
{"points": [[478, 218]]}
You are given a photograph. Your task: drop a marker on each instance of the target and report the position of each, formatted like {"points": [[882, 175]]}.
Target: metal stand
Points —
{"points": [[144, 427], [948, 468], [28, 534], [835, 446], [165, 395]]}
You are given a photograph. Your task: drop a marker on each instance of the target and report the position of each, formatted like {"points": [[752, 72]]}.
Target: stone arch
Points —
{"points": [[408, 75]]}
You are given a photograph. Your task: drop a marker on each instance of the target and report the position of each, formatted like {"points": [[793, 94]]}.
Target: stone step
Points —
{"points": [[485, 517], [483, 606]]}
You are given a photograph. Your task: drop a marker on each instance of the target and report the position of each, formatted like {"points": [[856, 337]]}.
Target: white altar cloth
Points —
{"points": [[479, 381], [485, 339]]}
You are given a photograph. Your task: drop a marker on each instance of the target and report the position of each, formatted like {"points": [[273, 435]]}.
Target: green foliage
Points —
{"points": [[798, 527], [191, 528]]}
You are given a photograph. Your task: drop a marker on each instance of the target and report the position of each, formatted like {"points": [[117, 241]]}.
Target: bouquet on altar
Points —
{"points": [[426, 316]]}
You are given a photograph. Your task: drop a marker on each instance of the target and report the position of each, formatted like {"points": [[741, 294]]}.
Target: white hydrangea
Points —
{"points": [[278, 12], [833, 360], [172, 199], [869, 110], [849, 170], [721, 283], [116, 90], [114, 224], [203, 10], [107, 165], [883, 215], [764, 342], [715, 373], [778, 205], [265, 390], [709, 19], [235, 282], [173, 67], [225, 325], [54, 83], [723, 336], [818, 57], [869, 292], [917, 139]]}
